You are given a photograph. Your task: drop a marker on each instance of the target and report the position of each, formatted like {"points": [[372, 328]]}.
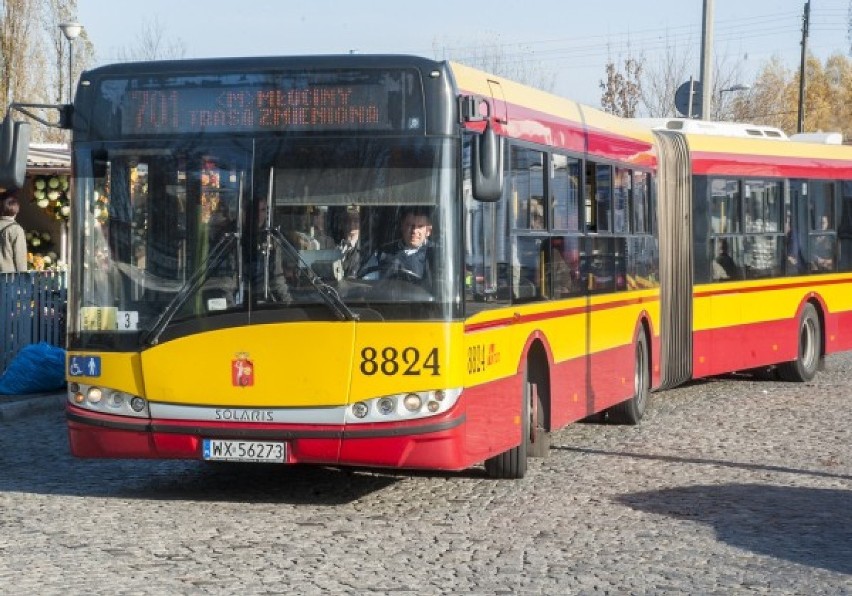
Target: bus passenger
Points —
{"points": [[410, 257], [350, 244], [823, 248], [724, 267], [794, 253], [319, 228]]}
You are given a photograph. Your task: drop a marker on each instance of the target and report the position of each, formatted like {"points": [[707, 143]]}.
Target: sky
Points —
{"points": [[570, 40]]}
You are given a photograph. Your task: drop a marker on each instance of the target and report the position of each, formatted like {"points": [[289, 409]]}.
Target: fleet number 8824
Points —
{"points": [[390, 361]]}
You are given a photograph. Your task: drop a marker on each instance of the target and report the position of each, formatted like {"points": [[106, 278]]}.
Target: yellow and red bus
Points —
{"points": [[229, 297]]}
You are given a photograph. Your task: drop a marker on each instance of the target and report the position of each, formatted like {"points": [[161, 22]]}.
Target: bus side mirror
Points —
{"points": [[487, 165], [14, 146]]}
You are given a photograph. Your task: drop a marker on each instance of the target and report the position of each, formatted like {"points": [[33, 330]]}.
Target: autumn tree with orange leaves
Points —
{"points": [[774, 97]]}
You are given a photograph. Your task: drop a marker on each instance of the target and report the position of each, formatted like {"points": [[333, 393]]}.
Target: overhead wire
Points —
{"points": [[650, 41]]}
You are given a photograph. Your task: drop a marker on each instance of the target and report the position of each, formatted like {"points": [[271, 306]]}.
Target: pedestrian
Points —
{"points": [[13, 240]]}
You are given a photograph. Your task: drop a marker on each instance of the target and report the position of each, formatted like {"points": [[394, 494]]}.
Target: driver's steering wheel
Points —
{"points": [[399, 273]]}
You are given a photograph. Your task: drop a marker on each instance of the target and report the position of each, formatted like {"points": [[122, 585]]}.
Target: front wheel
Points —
{"points": [[806, 364], [632, 410]]}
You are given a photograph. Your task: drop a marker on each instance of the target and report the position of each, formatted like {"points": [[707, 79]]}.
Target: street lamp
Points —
{"points": [[736, 87], [71, 31]]}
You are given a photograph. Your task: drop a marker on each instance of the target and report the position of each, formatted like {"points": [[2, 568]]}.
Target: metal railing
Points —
{"points": [[32, 309]]}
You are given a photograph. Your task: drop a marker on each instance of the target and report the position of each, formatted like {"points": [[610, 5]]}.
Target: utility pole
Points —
{"points": [[706, 59], [805, 27]]}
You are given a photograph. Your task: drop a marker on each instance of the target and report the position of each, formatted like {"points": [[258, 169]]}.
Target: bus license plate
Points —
{"points": [[248, 451]]}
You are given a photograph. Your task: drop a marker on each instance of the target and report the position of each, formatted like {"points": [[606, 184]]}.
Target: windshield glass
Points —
{"points": [[178, 238]]}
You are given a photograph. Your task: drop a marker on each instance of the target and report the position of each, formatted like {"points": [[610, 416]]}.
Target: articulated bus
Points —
{"points": [[229, 299]]}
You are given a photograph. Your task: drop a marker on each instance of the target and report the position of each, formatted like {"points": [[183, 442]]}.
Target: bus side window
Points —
{"points": [[564, 267], [564, 193], [622, 189], [640, 203], [527, 189], [529, 269], [822, 239], [598, 199], [486, 241], [844, 226]]}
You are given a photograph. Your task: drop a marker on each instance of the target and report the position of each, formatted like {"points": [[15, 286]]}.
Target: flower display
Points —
{"points": [[40, 253], [50, 192]]}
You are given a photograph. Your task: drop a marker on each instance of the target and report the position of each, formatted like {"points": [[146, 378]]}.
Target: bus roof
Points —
{"points": [[262, 63], [534, 115]]}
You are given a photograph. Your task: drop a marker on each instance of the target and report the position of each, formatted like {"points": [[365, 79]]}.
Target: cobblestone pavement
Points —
{"points": [[738, 485]]}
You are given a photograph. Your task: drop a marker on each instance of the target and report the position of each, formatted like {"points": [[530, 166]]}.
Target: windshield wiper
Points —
{"points": [[189, 287], [328, 294]]}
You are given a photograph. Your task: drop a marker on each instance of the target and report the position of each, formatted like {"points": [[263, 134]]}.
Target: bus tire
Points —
{"points": [[632, 410], [806, 364], [538, 438], [512, 464]]}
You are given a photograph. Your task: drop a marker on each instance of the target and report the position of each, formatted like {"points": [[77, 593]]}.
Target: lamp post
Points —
{"points": [[736, 87], [71, 31]]}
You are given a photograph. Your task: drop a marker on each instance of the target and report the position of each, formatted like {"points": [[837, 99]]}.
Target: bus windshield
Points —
{"points": [[204, 232]]}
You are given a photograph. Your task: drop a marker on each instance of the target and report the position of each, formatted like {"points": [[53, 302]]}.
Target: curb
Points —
{"points": [[15, 407]]}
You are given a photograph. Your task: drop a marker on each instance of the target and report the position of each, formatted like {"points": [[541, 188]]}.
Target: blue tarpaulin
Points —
{"points": [[38, 368]]}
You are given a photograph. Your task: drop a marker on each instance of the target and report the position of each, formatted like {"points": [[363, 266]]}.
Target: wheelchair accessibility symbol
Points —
{"points": [[84, 366]]}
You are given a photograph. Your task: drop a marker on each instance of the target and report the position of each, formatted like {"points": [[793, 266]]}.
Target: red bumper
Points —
{"points": [[437, 443]]}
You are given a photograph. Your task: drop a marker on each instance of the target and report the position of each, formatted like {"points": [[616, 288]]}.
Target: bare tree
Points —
{"points": [[622, 91], [18, 50], [492, 55], [661, 79], [152, 43]]}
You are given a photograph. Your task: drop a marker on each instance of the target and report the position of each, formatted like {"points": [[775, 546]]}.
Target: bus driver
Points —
{"points": [[408, 258]]}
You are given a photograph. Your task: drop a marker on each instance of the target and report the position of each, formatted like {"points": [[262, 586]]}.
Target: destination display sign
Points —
{"points": [[369, 101]]}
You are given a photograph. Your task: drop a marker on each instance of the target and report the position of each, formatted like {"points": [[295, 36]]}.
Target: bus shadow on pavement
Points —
{"points": [[264, 483], [193, 481], [807, 526]]}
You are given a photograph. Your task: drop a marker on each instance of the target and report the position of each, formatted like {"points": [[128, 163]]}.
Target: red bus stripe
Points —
{"points": [[555, 314], [706, 163], [811, 283]]}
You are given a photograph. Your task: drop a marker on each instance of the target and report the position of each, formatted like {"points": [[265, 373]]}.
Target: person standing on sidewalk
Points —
{"points": [[13, 241]]}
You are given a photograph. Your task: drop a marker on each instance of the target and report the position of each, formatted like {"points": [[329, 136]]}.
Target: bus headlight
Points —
{"points": [[94, 395], [108, 401], [412, 402], [116, 399], [360, 410], [415, 404]]}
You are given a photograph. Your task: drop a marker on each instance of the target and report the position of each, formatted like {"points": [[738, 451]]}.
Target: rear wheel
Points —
{"points": [[806, 364], [632, 410]]}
